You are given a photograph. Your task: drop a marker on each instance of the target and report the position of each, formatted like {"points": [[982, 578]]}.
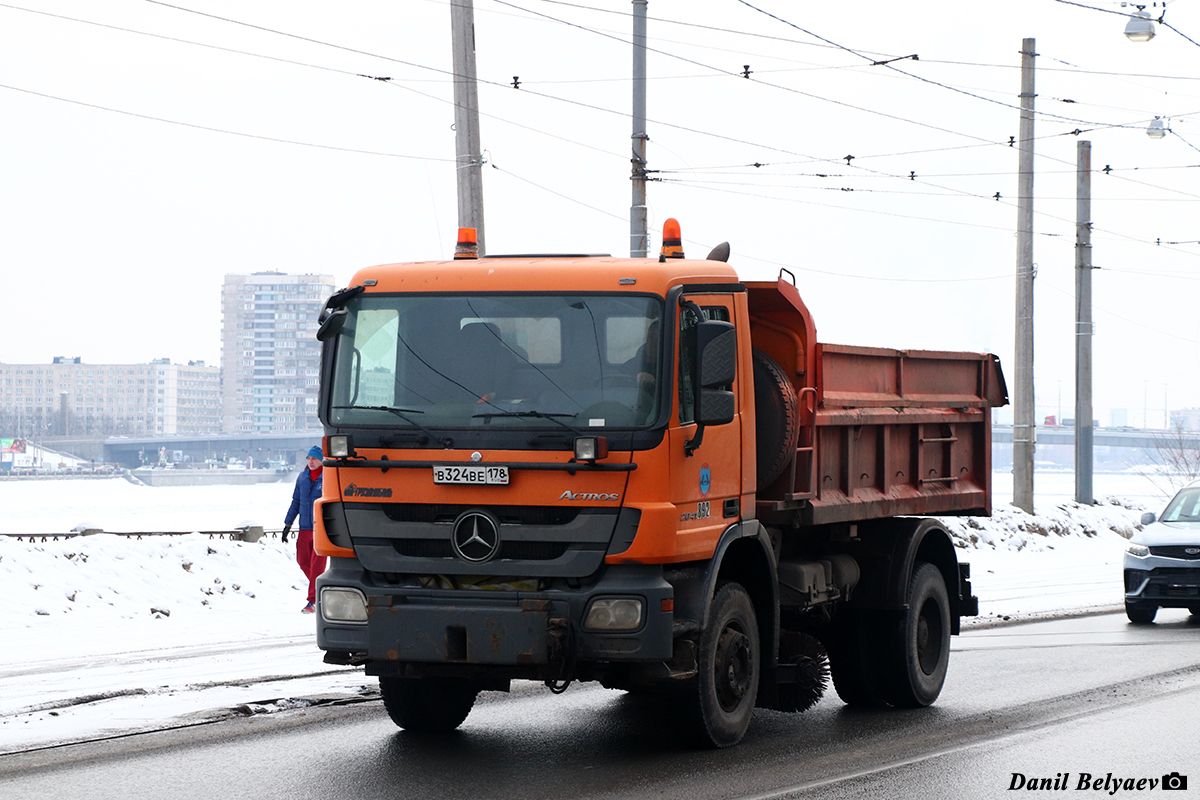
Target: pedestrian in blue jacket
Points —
{"points": [[308, 489]]}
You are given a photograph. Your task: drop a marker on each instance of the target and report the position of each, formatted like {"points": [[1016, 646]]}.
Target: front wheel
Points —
{"points": [[429, 705], [727, 682], [1140, 613], [920, 649]]}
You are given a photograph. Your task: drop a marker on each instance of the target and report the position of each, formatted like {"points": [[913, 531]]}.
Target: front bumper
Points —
{"points": [[1166, 582], [517, 630]]}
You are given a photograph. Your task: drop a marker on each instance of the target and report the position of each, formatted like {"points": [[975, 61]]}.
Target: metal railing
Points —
{"points": [[250, 533]]}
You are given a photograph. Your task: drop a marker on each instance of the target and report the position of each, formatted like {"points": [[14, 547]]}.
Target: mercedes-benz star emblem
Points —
{"points": [[475, 537]]}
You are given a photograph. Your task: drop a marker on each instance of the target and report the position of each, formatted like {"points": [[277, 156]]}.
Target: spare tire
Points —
{"points": [[777, 419]]}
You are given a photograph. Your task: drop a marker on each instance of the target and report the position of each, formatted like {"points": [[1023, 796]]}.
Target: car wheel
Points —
{"points": [[1140, 613]]}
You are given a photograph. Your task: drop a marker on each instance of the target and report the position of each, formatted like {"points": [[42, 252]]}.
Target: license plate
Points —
{"points": [[470, 475]]}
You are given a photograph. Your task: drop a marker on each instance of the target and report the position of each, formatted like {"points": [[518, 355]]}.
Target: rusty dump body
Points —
{"points": [[882, 432], [574, 468]]}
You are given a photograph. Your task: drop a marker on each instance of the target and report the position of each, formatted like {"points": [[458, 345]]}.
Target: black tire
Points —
{"points": [[433, 705], [1194, 611], [776, 419], [918, 652], [718, 709], [854, 658], [1141, 613]]}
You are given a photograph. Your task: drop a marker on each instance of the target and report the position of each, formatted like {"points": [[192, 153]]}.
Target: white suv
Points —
{"points": [[1162, 564]]}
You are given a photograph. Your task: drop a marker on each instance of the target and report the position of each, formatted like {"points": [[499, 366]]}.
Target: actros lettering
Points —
{"points": [[569, 495], [367, 491]]}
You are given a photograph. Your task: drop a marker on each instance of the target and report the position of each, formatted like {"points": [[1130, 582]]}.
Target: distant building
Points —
{"points": [[1187, 419], [68, 397], [270, 357]]}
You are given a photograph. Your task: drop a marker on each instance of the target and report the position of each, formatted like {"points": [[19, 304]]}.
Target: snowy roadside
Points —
{"points": [[105, 635]]}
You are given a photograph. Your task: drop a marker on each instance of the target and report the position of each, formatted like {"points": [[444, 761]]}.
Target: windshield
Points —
{"points": [[1184, 507], [577, 361]]}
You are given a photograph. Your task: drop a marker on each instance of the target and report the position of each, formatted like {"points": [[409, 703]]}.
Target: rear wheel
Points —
{"points": [[919, 647], [854, 657], [1194, 610], [719, 709], [1141, 613], [427, 704]]}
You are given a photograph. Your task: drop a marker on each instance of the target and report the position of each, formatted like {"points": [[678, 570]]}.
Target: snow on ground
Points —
{"points": [[106, 634], [115, 504]]}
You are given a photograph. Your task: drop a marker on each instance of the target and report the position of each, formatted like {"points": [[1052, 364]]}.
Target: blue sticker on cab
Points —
{"points": [[705, 479]]}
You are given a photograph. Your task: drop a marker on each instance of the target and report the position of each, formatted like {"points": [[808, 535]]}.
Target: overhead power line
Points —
{"points": [[212, 129]]}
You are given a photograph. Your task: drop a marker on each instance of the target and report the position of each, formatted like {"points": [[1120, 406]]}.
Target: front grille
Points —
{"points": [[508, 515], [440, 548], [423, 548], [1177, 551]]}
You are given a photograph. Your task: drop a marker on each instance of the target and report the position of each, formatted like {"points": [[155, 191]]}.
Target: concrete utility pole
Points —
{"points": [[468, 153], [1083, 324], [639, 239], [1024, 429]]}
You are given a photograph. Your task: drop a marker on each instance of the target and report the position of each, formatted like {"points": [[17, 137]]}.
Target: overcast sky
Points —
{"points": [[147, 150]]}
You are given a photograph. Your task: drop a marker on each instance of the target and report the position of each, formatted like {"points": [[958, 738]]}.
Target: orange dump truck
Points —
{"points": [[642, 472]]}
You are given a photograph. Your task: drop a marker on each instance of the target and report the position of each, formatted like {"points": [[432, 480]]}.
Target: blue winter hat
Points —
{"points": [[314, 452]]}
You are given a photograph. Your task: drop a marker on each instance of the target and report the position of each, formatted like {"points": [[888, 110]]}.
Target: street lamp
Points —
{"points": [[1140, 27], [1157, 129]]}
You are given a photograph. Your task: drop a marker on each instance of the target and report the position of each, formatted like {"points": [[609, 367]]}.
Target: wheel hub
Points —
{"points": [[929, 637], [733, 667]]}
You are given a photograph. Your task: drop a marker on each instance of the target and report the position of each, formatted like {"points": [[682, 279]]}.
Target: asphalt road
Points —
{"points": [[1078, 703]]}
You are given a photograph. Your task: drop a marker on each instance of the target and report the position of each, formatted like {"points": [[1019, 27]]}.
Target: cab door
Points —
{"points": [[705, 486]]}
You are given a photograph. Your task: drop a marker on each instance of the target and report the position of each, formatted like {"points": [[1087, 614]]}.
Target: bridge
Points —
{"points": [[133, 451], [1107, 437], [290, 447]]}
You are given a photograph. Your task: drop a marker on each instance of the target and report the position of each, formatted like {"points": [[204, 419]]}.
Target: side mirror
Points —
{"points": [[716, 407], [1149, 518], [332, 325], [716, 342], [717, 345]]}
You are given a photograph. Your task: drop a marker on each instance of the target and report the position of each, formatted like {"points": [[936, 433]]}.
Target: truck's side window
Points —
{"points": [[688, 379]]}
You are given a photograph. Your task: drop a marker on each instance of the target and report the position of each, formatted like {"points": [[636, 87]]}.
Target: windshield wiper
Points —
{"points": [[553, 417], [401, 413]]}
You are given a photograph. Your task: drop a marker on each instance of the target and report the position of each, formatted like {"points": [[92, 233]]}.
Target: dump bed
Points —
{"points": [[878, 432]]}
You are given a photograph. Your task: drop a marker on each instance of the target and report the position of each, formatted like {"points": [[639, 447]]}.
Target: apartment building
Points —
{"points": [[68, 397], [269, 353]]}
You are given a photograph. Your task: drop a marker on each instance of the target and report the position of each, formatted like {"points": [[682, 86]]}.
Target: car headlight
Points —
{"points": [[614, 614], [1141, 551], [341, 604]]}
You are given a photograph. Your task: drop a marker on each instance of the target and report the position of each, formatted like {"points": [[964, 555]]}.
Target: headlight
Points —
{"points": [[614, 614], [340, 446], [343, 605], [591, 448], [1138, 550]]}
